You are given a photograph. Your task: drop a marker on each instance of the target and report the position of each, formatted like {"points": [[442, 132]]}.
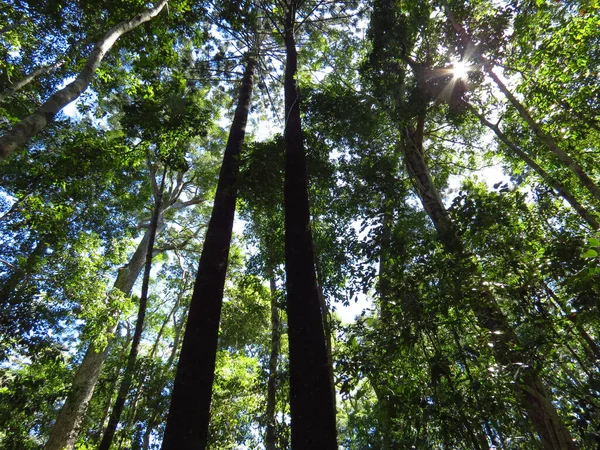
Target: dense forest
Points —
{"points": [[299, 224]]}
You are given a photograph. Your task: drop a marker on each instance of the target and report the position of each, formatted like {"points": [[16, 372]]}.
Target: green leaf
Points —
{"points": [[590, 253]]}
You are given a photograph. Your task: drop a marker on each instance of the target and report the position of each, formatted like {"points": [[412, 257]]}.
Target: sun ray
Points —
{"points": [[460, 69]]}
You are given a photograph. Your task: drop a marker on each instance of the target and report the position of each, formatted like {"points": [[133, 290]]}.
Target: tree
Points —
{"points": [[311, 403], [187, 424], [115, 416], [21, 133]]}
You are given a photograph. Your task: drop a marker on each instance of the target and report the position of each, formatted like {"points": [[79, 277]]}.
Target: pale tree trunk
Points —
{"points": [[22, 132], [534, 396], [270, 437], [586, 215], [67, 425], [115, 415], [545, 138], [20, 84]]}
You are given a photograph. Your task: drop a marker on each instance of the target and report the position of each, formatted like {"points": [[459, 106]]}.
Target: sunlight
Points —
{"points": [[460, 69]]}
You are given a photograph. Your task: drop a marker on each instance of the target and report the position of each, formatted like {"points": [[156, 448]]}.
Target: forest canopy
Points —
{"points": [[299, 224]]}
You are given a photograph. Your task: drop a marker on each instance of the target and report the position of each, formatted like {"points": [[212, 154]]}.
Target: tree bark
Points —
{"points": [[20, 84], [115, 415], [326, 316], [586, 215], [189, 413], [385, 397], [65, 430], [530, 388], [311, 405], [22, 132], [270, 437]]}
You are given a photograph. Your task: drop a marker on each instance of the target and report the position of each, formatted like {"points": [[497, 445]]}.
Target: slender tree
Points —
{"points": [[66, 428], [270, 435], [545, 138], [115, 415], [68, 423], [559, 187]]}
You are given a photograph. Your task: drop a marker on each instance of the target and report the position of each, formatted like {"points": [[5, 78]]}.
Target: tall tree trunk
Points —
{"points": [[22, 132], [530, 388], [586, 215], [270, 437], [155, 416], [326, 316], [385, 398], [20, 84], [115, 415], [65, 430], [189, 413], [311, 405]]}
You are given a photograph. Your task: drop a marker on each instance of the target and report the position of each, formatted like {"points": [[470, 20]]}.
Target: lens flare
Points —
{"points": [[459, 69]]}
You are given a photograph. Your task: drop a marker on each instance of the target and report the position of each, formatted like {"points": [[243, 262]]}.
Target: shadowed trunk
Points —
{"points": [[326, 316], [65, 430], [311, 405], [270, 437], [532, 392], [22, 132], [115, 415], [189, 413]]}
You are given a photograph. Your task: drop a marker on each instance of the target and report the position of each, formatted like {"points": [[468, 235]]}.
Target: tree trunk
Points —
{"points": [[133, 412], [22, 132], [530, 388], [545, 138], [189, 413], [326, 316], [385, 397], [155, 417], [115, 415], [65, 430], [270, 437], [20, 84], [586, 215], [311, 406]]}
